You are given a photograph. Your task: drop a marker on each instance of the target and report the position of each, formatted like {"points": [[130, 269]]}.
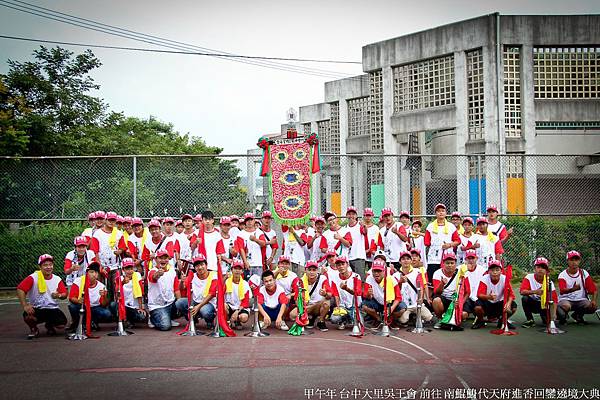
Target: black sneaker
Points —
{"points": [[508, 323], [311, 323], [579, 319], [478, 324], [95, 326], [528, 324], [321, 326]]}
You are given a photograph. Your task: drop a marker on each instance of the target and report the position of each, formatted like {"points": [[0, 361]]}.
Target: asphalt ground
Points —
{"points": [[324, 365]]}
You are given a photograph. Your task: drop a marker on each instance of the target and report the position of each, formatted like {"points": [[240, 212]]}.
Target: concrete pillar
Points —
{"points": [[316, 193], [360, 183], [491, 124], [404, 188], [328, 191], [390, 164], [345, 169], [462, 133], [528, 128], [423, 182]]}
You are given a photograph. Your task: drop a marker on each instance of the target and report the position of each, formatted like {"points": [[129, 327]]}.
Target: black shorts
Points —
{"points": [[493, 310], [469, 306], [446, 302], [431, 268], [241, 311], [50, 316]]}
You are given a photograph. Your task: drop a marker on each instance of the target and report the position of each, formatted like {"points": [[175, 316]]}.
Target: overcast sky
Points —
{"points": [[231, 104]]}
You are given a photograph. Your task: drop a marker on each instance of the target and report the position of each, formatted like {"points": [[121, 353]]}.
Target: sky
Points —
{"points": [[231, 104]]}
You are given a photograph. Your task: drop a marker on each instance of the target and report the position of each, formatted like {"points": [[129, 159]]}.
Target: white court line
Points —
{"points": [[3, 304]]}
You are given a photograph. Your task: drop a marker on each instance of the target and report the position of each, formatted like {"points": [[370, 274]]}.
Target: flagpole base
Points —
{"points": [[191, 333], [257, 334], [552, 329], [306, 332], [120, 331], [356, 332], [77, 336], [503, 332], [385, 331], [418, 330]]}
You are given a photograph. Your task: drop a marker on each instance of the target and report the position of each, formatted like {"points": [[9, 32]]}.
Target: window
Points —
{"points": [[424, 84], [334, 132], [512, 91], [376, 109], [566, 72], [306, 128], [358, 117], [514, 167], [475, 94]]}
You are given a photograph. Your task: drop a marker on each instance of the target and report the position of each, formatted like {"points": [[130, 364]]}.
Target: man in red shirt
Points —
{"points": [[272, 302], [531, 291], [490, 296], [576, 285], [42, 289]]}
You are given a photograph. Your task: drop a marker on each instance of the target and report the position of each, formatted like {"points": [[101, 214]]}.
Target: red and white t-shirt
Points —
{"points": [[567, 281], [161, 291], [499, 230], [93, 291], [372, 236], [330, 242], [435, 237], [105, 250], [130, 300], [211, 247], [357, 250], [531, 283], [199, 290], [271, 300], [184, 245], [321, 283], [474, 279], [486, 287], [370, 282], [42, 300], [467, 243], [346, 299], [134, 246], [291, 247], [73, 258], [450, 285], [391, 243], [270, 248], [487, 250], [232, 298], [152, 246], [409, 294], [316, 253], [288, 283], [310, 233], [253, 249], [173, 240]]}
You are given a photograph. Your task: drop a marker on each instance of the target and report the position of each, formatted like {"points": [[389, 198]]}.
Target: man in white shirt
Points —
{"points": [[358, 252]]}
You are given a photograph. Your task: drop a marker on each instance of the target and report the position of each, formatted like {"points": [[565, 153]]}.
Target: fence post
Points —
{"points": [[478, 185], [134, 186]]}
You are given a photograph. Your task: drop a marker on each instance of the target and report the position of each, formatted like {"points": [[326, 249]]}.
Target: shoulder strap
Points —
{"points": [[451, 279], [312, 290], [499, 229], [411, 284]]}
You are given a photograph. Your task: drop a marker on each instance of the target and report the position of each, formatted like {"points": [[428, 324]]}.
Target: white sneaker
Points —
{"points": [[150, 324], [341, 326], [262, 324], [175, 323], [283, 326]]}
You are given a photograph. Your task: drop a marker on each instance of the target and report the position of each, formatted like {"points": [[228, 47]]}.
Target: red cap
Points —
{"points": [[237, 263], [351, 209], [330, 252], [404, 253], [471, 253], [100, 214], [482, 220], [127, 262], [440, 205], [283, 258], [415, 251], [541, 261], [111, 215], [234, 217], [449, 256], [186, 216], [161, 253], [137, 221], [378, 265], [341, 259], [199, 258], [80, 241], [492, 207], [573, 254], [179, 222], [319, 219], [368, 212], [91, 216], [404, 212], [198, 217], [467, 219], [311, 264], [45, 257], [494, 263], [154, 223], [456, 214], [120, 219], [127, 220], [417, 221], [225, 221], [168, 219], [386, 211], [267, 214], [248, 215]]}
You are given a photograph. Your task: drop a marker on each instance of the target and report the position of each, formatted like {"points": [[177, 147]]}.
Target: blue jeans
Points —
{"points": [[99, 314], [346, 319], [272, 312], [207, 313], [161, 317]]}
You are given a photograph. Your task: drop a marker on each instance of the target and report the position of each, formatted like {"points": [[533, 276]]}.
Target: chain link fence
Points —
{"points": [[551, 201]]}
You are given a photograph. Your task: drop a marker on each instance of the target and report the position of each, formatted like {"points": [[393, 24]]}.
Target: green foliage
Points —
{"points": [[21, 249]]}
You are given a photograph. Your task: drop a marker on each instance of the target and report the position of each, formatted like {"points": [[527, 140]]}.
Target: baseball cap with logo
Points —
{"points": [[573, 254], [45, 257]]}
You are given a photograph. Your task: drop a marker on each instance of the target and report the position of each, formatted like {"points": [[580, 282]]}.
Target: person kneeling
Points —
{"points": [[373, 294], [345, 286], [316, 298], [531, 291], [133, 292], [237, 296], [204, 291], [42, 289], [272, 302], [490, 296], [97, 296]]}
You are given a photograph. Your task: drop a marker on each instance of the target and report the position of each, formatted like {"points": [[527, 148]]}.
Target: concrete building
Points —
{"points": [[496, 84]]}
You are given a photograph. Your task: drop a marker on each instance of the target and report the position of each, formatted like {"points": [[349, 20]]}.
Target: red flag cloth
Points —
{"points": [[356, 309], [122, 312], [221, 311], [188, 290]]}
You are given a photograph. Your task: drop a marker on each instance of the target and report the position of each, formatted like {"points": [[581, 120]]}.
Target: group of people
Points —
{"points": [[362, 272]]}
